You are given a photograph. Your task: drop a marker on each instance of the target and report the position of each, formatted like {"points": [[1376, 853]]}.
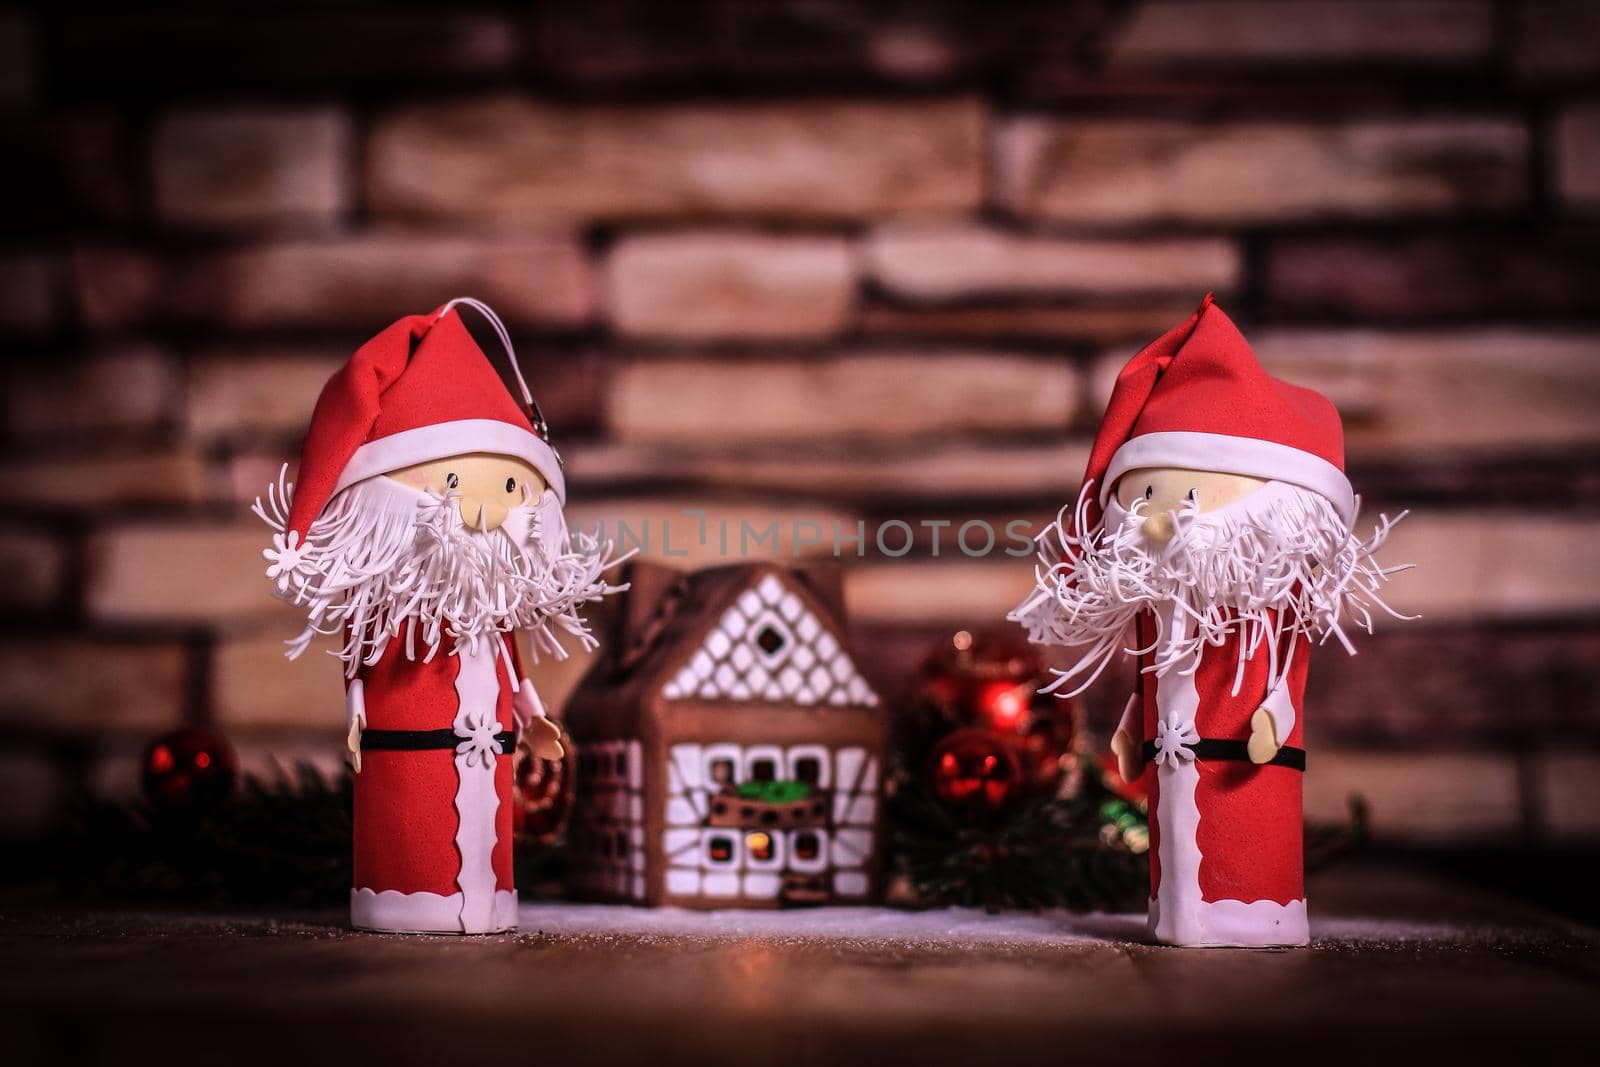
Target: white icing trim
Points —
{"points": [[477, 692], [441, 440], [1248, 456], [392, 911]]}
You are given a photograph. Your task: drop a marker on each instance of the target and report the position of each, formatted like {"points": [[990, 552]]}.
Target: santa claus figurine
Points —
{"points": [[1212, 540], [425, 528]]}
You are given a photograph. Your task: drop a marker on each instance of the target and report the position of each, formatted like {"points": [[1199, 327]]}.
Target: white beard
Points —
{"points": [[1269, 567], [385, 559]]}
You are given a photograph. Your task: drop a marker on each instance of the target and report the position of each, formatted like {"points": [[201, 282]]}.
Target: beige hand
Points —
{"points": [[1263, 737], [352, 741], [544, 738], [1126, 749]]}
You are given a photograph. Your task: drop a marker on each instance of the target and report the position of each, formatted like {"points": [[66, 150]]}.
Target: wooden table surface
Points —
{"points": [[1402, 966]]}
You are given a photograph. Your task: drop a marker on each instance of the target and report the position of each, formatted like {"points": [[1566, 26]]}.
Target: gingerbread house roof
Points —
{"points": [[744, 633]]}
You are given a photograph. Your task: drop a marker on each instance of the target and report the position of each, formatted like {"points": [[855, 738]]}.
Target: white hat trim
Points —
{"points": [[442, 440], [1249, 456]]}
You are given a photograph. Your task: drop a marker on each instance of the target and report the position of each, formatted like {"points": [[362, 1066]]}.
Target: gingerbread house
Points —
{"points": [[729, 750]]}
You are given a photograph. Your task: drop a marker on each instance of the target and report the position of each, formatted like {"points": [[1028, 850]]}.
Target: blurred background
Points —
{"points": [[811, 260]]}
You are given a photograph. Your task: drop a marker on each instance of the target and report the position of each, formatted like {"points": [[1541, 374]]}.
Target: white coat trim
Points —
{"points": [[1248, 456], [425, 913], [1245, 924], [442, 440], [477, 693], [1177, 820]]}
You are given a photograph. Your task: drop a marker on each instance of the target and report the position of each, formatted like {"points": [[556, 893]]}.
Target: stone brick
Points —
{"points": [[1554, 41], [1434, 275], [672, 530], [30, 300], [507, 157], [1226, 32], [67, 169], [119, 389], [928, 263], [963, 473], [116, 288], [1423, 391], [919, 591], [92, 483], [350, 282], [708, 285], [639, 44], [1479, 686], [1493, 566], [16, 59], [1451, 389], [250, 471], [31, 569], [1445, 797], [1100, 322], [1569, 795], [529, 279], [180, 574], [1147, 170], [67, 684], [252, 167], [864, 396], [262, 392], [254, 686], [147, 52], [1577, 151]]}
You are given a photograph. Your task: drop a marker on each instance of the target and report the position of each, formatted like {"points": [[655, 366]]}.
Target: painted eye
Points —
{"points": [[451, 481], [511, 485], [1149, 491]]}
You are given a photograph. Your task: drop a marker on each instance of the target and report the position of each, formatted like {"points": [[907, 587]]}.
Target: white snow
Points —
{"points": [[954, 927]]}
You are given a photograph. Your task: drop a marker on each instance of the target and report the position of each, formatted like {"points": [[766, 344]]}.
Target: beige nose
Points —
{"points": [[1158, 528], [482, 515]]}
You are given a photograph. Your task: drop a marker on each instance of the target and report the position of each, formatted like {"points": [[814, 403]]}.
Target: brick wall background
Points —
{"points": [[817, 260]]}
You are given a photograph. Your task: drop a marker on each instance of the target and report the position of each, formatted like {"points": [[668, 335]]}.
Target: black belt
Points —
{"points": [[423, 740], [1211, 748]]}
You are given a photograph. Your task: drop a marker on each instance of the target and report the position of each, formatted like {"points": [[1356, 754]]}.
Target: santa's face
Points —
{"points": [[484, 487], [1206, 555], [1170, 491], [456, 550]]}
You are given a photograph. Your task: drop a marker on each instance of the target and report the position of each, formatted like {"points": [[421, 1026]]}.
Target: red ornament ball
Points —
{"points": [[989, 681], [192, 767], [975, 772]]}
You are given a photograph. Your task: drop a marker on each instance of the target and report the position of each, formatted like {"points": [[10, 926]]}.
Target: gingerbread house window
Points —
{"points": [[807, 845], [720, 849]]}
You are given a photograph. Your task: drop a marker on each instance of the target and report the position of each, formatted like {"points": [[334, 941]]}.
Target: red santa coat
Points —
{"points": [[433, 797], [1227, 835]]}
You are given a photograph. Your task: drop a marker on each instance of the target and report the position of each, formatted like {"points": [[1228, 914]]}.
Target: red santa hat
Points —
{"points": [[1198, 398], [421, 390]]}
